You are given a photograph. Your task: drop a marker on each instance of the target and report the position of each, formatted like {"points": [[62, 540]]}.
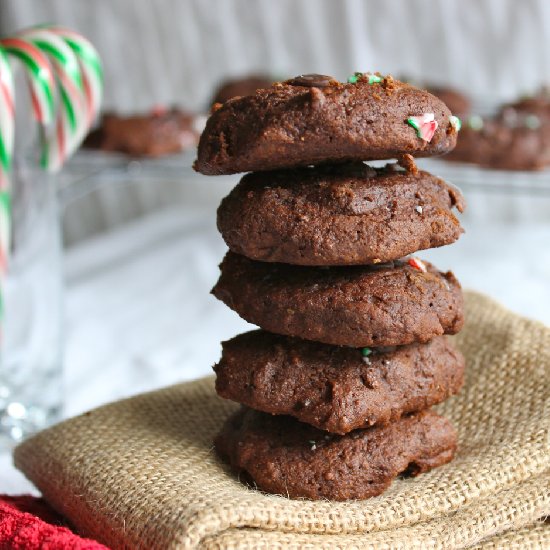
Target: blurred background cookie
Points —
{"points": [[240, 86], [161, 132]]}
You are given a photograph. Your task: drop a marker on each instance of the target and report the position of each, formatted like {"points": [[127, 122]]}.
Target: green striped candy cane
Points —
{"points": [[71, 117]]}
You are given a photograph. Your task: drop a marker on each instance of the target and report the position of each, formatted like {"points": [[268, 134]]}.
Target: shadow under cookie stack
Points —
{"points": [[337, 384]]}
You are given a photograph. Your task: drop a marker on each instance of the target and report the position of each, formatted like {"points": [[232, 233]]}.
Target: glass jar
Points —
{"points": [[31, 344]]}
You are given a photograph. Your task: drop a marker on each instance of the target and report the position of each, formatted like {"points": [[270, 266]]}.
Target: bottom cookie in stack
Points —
{"points": [[283, 456]]}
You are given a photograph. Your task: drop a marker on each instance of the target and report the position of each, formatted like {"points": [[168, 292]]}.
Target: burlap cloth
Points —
{"points": [[141, 473]]}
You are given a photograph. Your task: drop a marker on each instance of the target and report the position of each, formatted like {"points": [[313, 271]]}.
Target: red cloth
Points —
{"points": [[28, 523]]}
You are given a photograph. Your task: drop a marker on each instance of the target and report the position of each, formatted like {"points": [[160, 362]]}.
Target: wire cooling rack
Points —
{"points": [[493, 195]]}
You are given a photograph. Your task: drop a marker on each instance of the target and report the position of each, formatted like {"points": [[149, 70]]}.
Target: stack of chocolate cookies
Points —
{"points": [[337, 384]]}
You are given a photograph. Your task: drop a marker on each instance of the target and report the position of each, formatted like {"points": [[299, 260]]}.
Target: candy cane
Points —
{"points": [[7, 119], [5, 231], [42, 87], [7, 125], [60, 65], [90, 65], [71, 115], [40, 76]]}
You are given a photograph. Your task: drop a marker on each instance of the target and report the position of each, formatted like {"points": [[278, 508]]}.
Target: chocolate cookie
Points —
{"points": [[339, 215], [508, 142], [283, 456], [314, 119], [537, 105], [384, 305], [159, 133], [337, 388], [239, 87]]}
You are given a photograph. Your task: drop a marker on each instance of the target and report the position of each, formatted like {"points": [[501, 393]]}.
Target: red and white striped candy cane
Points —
{"points": [[40, 76], [7, 118], [42, 94], [90, 65], [66, 82], [71, 116], [7, 128]]}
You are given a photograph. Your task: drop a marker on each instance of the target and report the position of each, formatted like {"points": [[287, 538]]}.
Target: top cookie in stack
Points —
{"points": [[314, 119], [352, 344]]}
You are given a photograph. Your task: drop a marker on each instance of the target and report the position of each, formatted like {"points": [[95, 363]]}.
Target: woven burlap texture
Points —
{"points": [[141, 473]]}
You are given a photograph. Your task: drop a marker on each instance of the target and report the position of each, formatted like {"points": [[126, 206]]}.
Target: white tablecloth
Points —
{"points": [[140, 316]]}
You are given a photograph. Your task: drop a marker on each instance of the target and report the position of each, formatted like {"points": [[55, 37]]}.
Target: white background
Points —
{"points": [[166, 51]]}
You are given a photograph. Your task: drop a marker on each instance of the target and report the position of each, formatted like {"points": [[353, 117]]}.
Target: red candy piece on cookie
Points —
{"points": [[425, 125]]}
